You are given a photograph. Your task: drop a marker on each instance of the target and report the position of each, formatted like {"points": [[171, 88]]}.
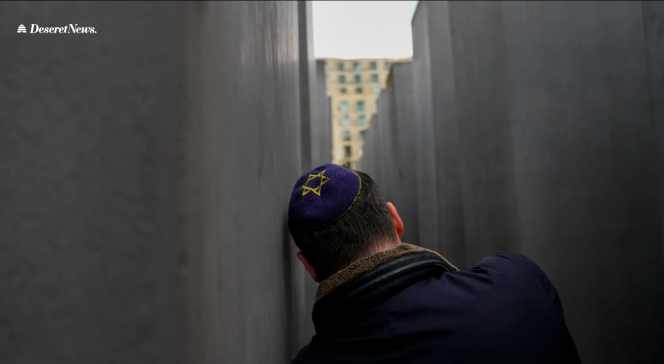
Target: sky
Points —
{"points": [[363, 29]]}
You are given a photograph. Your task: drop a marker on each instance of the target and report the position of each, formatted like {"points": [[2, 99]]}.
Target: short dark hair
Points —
{"points": [[335, 246]]}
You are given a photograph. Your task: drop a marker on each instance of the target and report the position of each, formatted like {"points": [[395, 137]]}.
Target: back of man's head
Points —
{"points": [[364, 227]]}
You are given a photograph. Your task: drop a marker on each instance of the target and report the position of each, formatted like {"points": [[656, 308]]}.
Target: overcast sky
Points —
{"points": [[363, 29]]}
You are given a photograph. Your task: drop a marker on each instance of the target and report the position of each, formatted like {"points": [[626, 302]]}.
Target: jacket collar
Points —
{"points": [[369, 280], [368, 264]]}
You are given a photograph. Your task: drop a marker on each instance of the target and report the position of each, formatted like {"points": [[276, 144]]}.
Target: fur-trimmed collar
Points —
{"points": [[368, 264]]}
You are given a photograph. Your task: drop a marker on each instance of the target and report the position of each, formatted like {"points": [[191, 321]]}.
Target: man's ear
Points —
{"points": [[396, 219], [310, 268]]}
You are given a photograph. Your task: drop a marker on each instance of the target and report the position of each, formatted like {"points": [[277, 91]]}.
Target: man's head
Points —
{"points": [[337, 216]]}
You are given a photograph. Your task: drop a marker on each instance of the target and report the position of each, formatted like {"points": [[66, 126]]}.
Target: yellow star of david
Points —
{"points": [[323, 179]]}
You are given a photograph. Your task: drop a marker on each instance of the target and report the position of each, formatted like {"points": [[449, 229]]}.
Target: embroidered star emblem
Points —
{"points": [[306, 189]]}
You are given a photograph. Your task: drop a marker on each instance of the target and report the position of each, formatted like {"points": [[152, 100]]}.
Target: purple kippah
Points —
{"points": [[323, 195]]}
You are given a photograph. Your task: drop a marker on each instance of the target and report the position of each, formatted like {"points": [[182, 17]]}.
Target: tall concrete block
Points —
{"points": [[404, 144], [483, 142], [307, 81], [382, 146], [89, 222], [372, 151], [146, 175], [653, 24], [369, 149], [243, 137], [560, 160], [321, 127], [391, 151], [426, 175], [440, 194]]}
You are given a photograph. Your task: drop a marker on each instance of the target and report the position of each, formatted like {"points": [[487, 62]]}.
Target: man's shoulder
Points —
{"points": [[511, 263], [520, 265]]}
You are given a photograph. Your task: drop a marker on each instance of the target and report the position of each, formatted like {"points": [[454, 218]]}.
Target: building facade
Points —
{"points": [[353, 86]]}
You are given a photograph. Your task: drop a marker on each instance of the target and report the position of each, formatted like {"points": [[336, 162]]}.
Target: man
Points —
{"points": [[384, 301]]}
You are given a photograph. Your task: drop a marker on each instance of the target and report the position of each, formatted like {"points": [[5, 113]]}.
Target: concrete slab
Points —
{"points": [[396, 149], [439, 171], [244, 288], [560, 161], [89, 224], [321, 123]]}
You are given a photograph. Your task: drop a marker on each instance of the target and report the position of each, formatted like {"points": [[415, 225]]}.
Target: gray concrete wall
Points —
{"points": [[321, 122], [369, 149], [307, 81], [244, 289], [89, 221], [427, 208], [653, 24], [390, 150], [404, 145], [145, 176], [558, 126], [440, 188], [487, 157], [383, 147]]}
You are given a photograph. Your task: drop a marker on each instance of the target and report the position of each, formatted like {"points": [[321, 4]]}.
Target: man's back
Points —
{"points": [[416, 309]]}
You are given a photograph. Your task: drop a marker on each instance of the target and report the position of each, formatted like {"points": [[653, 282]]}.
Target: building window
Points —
{"points": [[342, 90], [346, 135], [363, 134], [347, 151], [376, 89], [340, 66], [356, 66], [342, 79], [344, 106], [361, 120], [373, 65], [358, 90], [358, 78], [345, 121], [387, 65], [374, 77], [360, 106]]}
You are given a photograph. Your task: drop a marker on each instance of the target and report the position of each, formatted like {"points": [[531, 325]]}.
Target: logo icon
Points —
{"points": [[21, 29]]}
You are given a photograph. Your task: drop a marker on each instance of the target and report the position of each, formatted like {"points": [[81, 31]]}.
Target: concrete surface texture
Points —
{"points": [[382, 142], [558, 112], [244, 288], [307, 80], [369, 148], [438, 154], [89, 221], [427, 208], [146, 171], [321, 127], [558, 145], [653, 24], [396, 173]]}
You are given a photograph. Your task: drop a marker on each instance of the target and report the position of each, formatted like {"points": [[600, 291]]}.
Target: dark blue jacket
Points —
{"points": [[418, 308]]}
